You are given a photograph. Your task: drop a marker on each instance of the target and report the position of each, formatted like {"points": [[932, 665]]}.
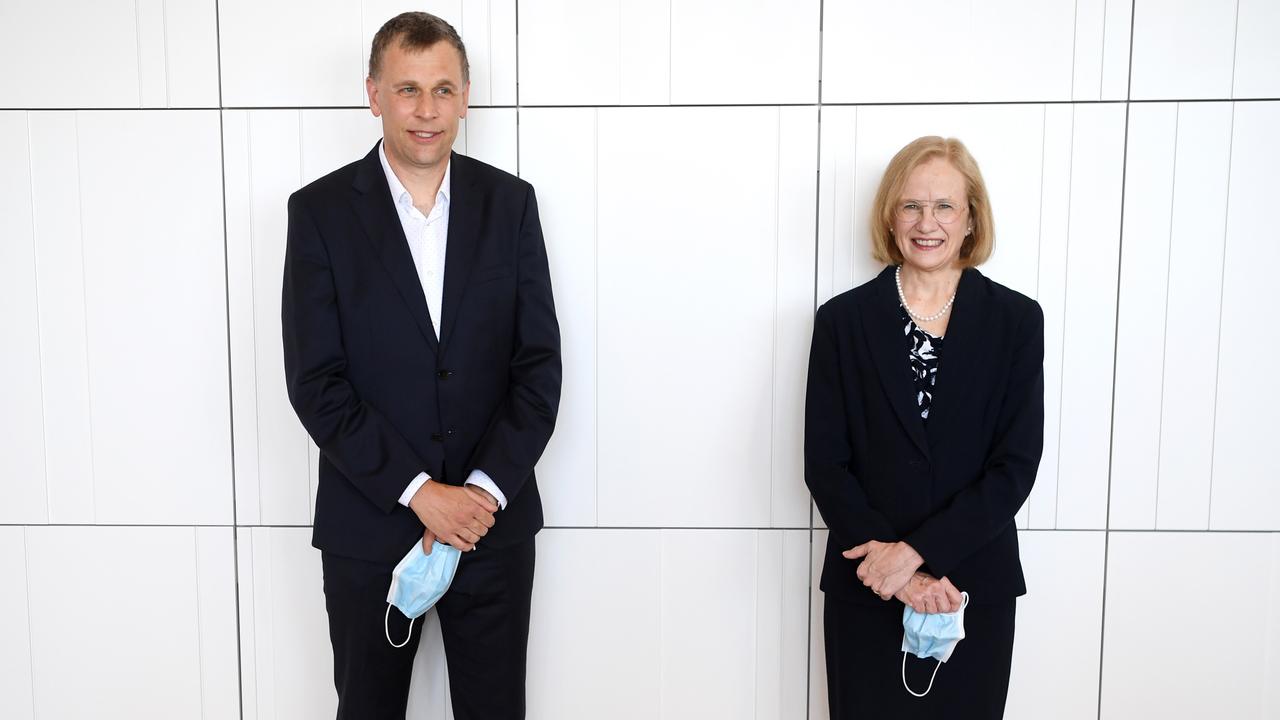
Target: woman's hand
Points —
{"points": [[887, 567], [927, 594]]}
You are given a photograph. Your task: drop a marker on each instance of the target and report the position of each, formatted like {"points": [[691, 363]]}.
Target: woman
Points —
{"points": [[924, 424]]}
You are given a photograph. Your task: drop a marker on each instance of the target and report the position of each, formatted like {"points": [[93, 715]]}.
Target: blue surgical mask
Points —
{"points": [[418, 582], [932, 635]]}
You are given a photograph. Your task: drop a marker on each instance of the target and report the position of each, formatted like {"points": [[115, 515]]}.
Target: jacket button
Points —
{"points": [[449, 432], [443, 374], [437, 437]]}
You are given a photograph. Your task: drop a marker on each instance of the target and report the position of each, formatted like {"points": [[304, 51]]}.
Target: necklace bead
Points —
{"points": [[902, 298]]}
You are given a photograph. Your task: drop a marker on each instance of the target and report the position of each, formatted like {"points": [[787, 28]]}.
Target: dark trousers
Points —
{"points": [[484, 621], [865, 668]]}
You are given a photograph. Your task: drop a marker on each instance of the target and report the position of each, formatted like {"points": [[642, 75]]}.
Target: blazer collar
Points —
{"points": [[882, 319], [377, 213], [465, 219], [381, 224], [963, 351]]}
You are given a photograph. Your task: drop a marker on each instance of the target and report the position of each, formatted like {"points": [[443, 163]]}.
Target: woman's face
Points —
{"points": [[931, 217]]}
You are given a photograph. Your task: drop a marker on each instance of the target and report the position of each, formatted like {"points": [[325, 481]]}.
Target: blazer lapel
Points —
{"points": [[381, 224], [465, 203], [889, 347], [964, 351]]}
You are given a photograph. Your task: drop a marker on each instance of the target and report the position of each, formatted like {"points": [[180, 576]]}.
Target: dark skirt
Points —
{"points": [[864, 664]]}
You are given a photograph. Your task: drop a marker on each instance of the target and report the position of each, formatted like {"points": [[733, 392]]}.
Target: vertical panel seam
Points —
{"points": [[84, 303], [853, 193], [1106, 528], [35, 270], [1075, 40], [31, 636], [1235, 47], [620, 51], [777, 251], [360, 51], [137, 49], [1222, 284], [1102, 59], [306, 438], [817, 260], [596, 348], [662, 546], [253, 315], [1164, 338], [1044, 123], [231, 415], [195, 543], [1066, 285], [671, 41], [164, 40], [489, 34]]}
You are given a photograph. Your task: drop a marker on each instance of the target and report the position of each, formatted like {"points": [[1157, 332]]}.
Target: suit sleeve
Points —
{"points": [[828, 454], [981, 511], [519, 430], [354, 436]]}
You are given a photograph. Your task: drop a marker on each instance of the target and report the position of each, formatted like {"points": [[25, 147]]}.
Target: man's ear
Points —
{"points": [[371, 88]]}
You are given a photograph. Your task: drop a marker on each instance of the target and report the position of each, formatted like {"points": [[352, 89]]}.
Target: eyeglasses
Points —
{"points": [[944, 211]]}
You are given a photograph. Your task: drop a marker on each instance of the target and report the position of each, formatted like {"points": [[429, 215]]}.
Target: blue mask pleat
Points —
{"points": [[930, 635], [418, 582]]}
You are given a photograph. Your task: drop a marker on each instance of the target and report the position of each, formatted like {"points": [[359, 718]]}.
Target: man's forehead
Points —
{"points": [[441, 52]]}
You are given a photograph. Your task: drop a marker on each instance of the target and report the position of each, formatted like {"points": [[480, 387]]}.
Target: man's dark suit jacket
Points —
{"points": [[949, 488], [384, 398]]}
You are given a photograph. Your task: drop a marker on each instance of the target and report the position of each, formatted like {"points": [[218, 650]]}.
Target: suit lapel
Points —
{"points": [[465, 203], [964, 351], [890, 349], [381, 224]]}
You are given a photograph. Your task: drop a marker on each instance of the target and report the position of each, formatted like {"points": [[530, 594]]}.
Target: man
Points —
{"points": [[422, 354]]}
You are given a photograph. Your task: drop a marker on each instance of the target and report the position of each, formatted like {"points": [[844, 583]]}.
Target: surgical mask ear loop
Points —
{"points": [[386, 617], [931, 677]]}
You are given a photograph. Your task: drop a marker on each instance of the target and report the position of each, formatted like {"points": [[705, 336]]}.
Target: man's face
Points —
{"points": [[420, 96]]}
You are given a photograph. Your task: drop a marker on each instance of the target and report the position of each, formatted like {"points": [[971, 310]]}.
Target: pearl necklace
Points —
{"points": [[897, 279]]}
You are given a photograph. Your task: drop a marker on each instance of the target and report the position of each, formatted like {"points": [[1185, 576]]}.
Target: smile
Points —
{"points": [[926, 243]]}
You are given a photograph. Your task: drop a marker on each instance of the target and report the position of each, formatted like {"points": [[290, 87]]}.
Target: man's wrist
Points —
{"points": [[412, 489]]}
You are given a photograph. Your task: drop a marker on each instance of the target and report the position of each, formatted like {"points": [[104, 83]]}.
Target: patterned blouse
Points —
{"points": [[925, 349]]}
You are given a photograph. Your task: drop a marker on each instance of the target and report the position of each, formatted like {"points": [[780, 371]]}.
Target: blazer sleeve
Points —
{"points": [[354, 436], [828, 454], [519, 430], [982, 510]]}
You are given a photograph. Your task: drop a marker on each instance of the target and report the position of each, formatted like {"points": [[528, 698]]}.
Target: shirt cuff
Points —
{"points": [[409, 492], [484, 482]]}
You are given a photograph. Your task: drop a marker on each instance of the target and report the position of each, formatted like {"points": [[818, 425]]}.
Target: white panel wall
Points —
{"points": [[1192, 658], [704, 174], [134, 622]]}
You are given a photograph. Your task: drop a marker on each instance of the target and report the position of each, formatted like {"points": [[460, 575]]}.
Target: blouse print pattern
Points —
{"points": [[925, 349]]}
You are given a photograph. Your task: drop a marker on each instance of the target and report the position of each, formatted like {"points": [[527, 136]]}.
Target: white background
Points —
{"points": [[705, 171]]}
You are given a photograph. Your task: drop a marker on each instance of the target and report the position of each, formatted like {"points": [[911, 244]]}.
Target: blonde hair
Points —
{"points": [[978, 245]]}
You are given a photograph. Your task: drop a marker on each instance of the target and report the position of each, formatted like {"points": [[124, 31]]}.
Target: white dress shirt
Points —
{"points": [[428, 235]]}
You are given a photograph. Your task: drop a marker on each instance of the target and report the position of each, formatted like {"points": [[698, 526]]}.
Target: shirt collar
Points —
{"points": [[399, 194]]}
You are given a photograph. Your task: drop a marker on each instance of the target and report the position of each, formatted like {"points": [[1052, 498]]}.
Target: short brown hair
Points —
{"points": [[415, 31], [978, 246]]}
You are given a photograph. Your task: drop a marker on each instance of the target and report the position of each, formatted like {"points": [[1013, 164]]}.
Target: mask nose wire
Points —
{"points": [[386, 618], [931, 677]]}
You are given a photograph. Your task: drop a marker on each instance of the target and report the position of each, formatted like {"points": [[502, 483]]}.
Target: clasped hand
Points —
{"points": [[459, 516], [890, 570]]}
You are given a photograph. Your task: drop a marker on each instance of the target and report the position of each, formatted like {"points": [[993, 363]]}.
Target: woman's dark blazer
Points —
{"points": [[949, 488]]}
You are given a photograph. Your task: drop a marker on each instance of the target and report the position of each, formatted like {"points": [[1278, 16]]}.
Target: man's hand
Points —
{"points": [[927, 594], [887, 567], [455, 515]]}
